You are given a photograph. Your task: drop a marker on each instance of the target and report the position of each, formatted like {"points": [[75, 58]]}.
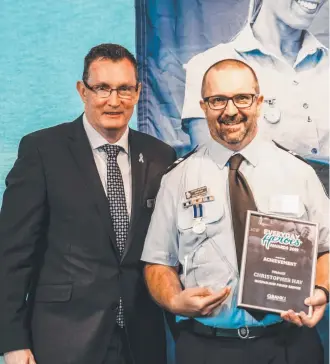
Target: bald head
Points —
{"points": [[229, 65]]}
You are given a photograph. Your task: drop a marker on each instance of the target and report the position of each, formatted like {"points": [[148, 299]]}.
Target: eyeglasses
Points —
{"points": [[241, 101], [123, 92]]}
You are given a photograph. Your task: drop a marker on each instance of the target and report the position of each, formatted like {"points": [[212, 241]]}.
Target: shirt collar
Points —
{"points": [[96, 140], [246, 42], [220, 154], [311, 45]]}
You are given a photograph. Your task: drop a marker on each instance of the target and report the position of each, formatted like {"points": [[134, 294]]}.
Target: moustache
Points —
{"points": [[232, 120]]}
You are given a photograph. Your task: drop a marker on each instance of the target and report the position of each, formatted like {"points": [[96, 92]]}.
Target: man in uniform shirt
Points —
{"points": [[293, 70], [189, 242]]}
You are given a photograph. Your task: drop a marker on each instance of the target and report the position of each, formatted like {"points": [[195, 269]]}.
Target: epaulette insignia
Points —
{"points": [[178, 161], [290, 151]]}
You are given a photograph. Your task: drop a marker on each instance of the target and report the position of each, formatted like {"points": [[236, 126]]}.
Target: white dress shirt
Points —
{"points": [[295, 112], [96, 140]]}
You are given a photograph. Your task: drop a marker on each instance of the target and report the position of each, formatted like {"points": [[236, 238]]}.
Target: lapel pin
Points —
{"points": [[141, 158]]}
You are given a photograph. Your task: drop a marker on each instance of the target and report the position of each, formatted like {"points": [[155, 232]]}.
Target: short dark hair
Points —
{"points": [[235, 63], [114, 52]]}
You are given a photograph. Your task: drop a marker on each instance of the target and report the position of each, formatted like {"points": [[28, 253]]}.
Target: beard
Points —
{"points": [[226, 134], [233, 131], [232, 120]]}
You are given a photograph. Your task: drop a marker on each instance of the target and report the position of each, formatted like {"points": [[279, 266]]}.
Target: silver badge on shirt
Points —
{"points": [[196, 198], [272, 113]]}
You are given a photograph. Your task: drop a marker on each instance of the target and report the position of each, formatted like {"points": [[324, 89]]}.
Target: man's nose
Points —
{"points": [[230, 108], [113, 99]]}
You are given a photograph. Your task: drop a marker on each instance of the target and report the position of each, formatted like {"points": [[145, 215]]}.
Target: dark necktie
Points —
{"points": [[117, 207], [241, 200]]}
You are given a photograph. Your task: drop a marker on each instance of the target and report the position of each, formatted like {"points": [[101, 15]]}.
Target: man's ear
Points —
{"points": [[260, 101], [203, 106], [138, 92], [81, 88]]}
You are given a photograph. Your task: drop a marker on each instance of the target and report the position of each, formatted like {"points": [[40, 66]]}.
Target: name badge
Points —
{"points": [[197, 192]]}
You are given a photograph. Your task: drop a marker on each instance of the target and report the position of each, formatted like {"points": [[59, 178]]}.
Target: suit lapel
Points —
{"points": [[83, 155], [139, 168]]}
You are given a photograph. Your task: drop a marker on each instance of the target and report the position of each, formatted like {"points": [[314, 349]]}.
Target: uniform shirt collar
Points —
{"points": [[220, 154], [311, 45], [96, 140], [246, 42]]}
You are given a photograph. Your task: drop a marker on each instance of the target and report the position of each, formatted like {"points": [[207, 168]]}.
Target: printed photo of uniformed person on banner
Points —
{"points": [[285, 42]]}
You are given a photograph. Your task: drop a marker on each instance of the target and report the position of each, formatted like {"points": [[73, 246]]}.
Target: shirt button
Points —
{"points": [[305, 105], [314, 150], [309, 119], [295, 82]]}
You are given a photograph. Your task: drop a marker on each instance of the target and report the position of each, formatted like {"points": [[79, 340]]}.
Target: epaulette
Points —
{"points": [[290, 151], [178, 161]]}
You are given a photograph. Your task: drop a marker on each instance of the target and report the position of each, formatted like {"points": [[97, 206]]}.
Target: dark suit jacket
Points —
{"points": [[60, 272]]}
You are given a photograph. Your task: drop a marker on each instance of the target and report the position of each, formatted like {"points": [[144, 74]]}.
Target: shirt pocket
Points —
{"points": [[189, 240], [282, 208], [205, 263], [213, 212]]}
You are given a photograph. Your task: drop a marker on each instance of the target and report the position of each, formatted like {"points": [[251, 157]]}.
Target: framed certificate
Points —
{"points": [[278, 263]]}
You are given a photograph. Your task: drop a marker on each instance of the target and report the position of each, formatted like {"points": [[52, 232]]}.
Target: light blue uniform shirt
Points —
{"points": [[209, 259], [296, 107]]}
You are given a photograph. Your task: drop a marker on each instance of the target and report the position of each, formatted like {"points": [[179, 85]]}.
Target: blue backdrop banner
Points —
{"points": [[43, 47]]}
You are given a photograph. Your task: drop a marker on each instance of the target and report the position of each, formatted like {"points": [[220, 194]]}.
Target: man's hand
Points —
{"points": [[318, 302], [193, 302], [19, 357]]}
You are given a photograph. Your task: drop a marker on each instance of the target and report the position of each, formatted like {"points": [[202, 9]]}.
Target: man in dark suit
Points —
{"points": [[72, 227]]}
